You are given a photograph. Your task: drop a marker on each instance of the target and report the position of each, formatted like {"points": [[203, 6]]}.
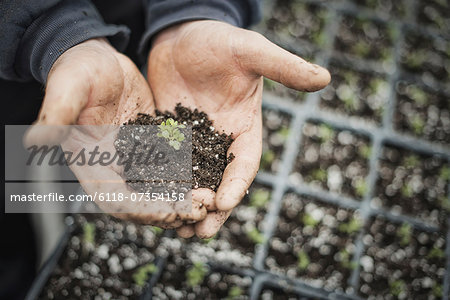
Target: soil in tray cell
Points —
{"points": [[365, 38], [434, 13], [276, 129], [422, 113], [281, 91], [235, 243], [426, 57], [314, 241], [333, 159], [393, 8], [401, 262], [187, 275], [413, 184], [104, 257], [295, 20], [357, 94]]}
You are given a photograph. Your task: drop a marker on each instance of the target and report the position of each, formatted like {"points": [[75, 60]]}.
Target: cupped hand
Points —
{"points": [[218, 68], [93, 84]]}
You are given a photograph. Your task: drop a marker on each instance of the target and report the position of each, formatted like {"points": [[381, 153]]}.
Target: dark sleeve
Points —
{"points": [[164, 13], [34, 33]]}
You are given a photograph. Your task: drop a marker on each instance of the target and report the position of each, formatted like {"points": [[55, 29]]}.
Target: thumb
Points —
{"points": [[66, 95], [263, 58]]}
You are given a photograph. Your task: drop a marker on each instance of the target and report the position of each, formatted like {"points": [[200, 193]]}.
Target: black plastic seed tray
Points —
{"points": [[352, 199]]}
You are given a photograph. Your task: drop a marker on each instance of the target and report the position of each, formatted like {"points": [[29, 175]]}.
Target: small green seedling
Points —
{"points": [[308, 220], [411, 161], [157, 230], [350, 78], [437, 290], [170, 130], [283, 132], [267, 158], [319, 38], [206, 241], [417, 95], [259, 198], [396, 287], [353, 226], [418, 124], [407, 191], [269, 84], [444, 202], [319, 175], [234, 293], [405, 233], [255, 236], [365, 151], [361, 48], [326, 133], [140, 276], [196, 274], [436, 253], [361, 187], [345, 261], [89, 233], [444, 173], [303, 260]]}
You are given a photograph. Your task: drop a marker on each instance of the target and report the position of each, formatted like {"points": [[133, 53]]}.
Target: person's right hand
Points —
{"points": [[93, 84]]}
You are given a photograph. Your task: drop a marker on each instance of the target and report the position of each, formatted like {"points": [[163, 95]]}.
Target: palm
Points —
{"points": [[199, 69], [218, 68]]}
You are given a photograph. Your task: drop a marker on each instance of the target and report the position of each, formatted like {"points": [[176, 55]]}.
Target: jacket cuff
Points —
{"points": [[63, 26], [163, 14]]}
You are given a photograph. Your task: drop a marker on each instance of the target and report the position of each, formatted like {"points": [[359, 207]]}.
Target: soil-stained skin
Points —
{"points": [[101, 258], [401, 262], [413, 184]]}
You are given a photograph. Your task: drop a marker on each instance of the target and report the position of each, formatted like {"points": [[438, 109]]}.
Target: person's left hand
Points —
{"points": [[218, 69]]}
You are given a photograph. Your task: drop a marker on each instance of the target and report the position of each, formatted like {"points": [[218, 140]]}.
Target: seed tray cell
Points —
{"points": [[422, 113], [355, 93], [295, 20], [335, 160], [402, 262], [413, 184], [434, 13], [365, 39], [426, 57], [314, 241]]}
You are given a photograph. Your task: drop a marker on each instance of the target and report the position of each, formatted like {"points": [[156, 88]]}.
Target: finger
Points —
{"points": [[191, 211], [65, 96], [211, 224], [186, 231], [206, 197], [240, 173], [262, 57]]}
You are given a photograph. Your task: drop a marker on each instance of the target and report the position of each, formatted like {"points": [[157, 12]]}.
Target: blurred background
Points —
{"points": [[352, 197]]}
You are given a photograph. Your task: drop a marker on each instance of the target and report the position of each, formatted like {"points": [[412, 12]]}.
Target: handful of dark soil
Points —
{"points": [[209, 147]]}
